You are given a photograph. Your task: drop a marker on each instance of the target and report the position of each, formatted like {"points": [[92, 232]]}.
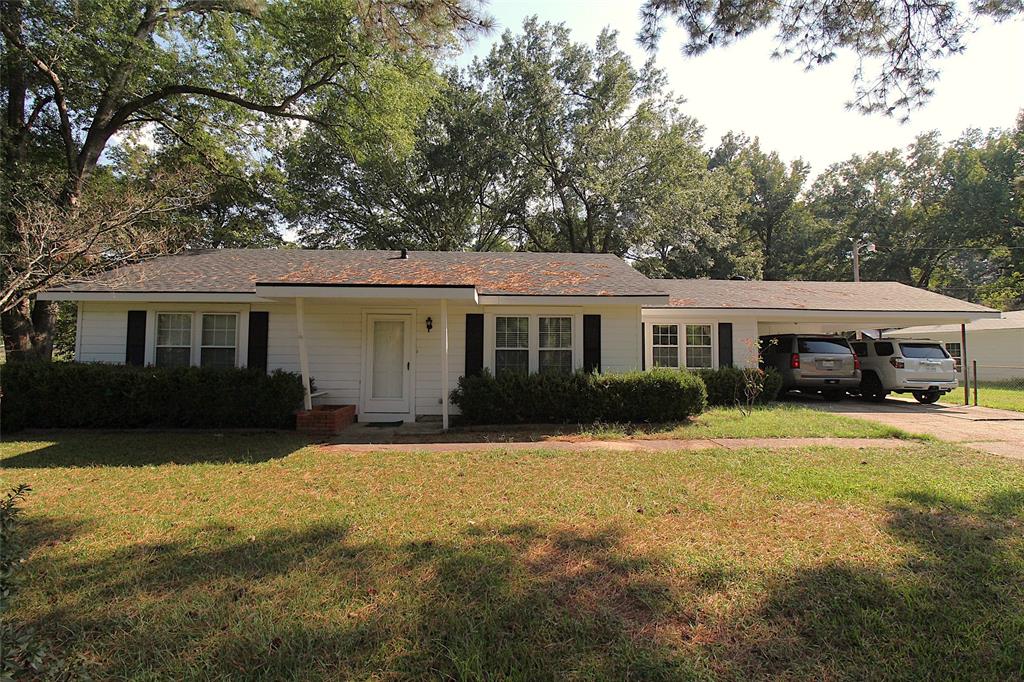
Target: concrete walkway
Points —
{"points": [[633, 445], [999, 432]]}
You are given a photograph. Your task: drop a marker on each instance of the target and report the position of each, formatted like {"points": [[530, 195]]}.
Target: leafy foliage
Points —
{"points": [[659, 395], [79, 395], [731, 386], [902, 40]]}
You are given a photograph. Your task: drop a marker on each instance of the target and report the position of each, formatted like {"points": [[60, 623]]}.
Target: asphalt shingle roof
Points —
{"points": [[494, 273], [826, 296]]}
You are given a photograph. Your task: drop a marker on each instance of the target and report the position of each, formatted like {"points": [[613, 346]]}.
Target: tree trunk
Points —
{"points": [[28, 331]]}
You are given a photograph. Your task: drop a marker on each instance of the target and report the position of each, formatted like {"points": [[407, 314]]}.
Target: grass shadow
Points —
{"points": [[75, 449]]}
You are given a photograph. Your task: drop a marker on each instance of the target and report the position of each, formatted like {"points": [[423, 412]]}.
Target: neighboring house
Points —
{"points": [[996, 344], [371, 328]]}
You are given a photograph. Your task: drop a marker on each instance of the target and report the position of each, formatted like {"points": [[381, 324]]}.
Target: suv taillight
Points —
{"points": [[896, 362], [794, 361], [856, 361]]}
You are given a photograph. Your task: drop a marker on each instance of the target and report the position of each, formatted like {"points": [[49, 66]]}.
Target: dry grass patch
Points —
{"points": [[262, 557]]}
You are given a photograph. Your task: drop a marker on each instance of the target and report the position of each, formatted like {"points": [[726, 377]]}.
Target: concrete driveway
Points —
{"points": [[999, 432]]}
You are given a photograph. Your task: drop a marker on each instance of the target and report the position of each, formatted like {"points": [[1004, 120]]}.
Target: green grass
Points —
{"points": [[191, 556], [776, 421], [1004, 395]]}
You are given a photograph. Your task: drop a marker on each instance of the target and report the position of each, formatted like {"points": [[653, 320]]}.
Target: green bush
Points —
{"points": [[727, 386], [79, 395], [655, 396]]}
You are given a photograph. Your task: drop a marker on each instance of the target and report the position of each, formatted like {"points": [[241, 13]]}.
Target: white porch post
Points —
{"points": [[444, 364], [300, 324]]}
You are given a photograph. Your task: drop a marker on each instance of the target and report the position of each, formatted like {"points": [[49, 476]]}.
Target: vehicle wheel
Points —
{"points": [[833, 395], [926, 397], [871, 388]]}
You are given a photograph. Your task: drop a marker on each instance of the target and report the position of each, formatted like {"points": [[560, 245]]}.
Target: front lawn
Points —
{"points": [[1004, 395], [171, 556]]}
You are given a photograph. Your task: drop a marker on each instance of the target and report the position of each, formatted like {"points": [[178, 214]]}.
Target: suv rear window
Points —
{"points": [[824, 346], [860, 348], [883, 349], [927, 351]]}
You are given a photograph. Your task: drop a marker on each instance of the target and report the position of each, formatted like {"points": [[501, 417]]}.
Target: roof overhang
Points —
{"points": [[887, 317], [633, 300], [155, 296]]}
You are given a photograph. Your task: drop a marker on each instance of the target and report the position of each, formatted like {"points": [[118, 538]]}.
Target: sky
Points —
{"points": [[799, 114]]}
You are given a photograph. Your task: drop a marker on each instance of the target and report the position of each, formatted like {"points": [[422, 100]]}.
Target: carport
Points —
{"points": [[738, 312]]}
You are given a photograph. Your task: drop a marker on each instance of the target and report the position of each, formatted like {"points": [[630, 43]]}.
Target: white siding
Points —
{"points": [[334, 339]]}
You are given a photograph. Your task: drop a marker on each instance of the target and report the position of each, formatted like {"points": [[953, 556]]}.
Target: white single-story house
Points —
{"points": [[996, 344], [391, 332]]}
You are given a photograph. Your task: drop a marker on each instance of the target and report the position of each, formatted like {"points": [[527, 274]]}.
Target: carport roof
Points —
{"points": [[841, 297]]}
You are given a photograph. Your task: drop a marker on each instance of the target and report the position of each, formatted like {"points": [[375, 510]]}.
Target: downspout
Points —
{"points": [[300, 324]]}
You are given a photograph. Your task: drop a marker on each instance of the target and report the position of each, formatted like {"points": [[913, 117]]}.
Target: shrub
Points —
{"points": [[79, 395], [655, 396], [729, 386]]}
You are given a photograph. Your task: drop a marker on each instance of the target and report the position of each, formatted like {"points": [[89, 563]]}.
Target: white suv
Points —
{"points": [[922, 368]]}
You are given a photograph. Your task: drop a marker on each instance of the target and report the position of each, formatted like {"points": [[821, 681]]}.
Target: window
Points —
{"points": [[953, 348], [219, 341], [511, 345], [883, 349], [555, 354], [173, 339], [839, 346], [860, 348], [698, 346], [665, 346], [924, 351]]}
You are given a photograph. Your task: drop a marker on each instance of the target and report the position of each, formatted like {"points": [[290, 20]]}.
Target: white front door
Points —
{"points": [[387, 380]]}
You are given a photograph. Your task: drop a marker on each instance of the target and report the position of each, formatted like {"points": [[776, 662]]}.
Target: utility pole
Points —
{"points": [[858, 244]]}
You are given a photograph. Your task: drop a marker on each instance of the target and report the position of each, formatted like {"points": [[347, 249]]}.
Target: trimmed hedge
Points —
{"points": [[727, 386], [656, 396], [86, 395]]}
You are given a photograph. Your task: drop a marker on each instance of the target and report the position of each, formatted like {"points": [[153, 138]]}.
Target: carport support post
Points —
{"points": [[963, 364], [300, 324], [444, 364]]}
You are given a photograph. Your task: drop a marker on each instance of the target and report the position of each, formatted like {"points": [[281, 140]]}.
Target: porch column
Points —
{"points": [[444, 364], [963, 364], [300, 324]]}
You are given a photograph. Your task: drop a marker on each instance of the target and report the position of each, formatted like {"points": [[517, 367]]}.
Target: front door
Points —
{"points": [[388, 379]]}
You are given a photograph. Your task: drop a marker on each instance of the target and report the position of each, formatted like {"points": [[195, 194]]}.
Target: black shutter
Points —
{"points": [[725, 344], [591, 343], [474, 344], [135, 343], [643, 346], [259, 323]]}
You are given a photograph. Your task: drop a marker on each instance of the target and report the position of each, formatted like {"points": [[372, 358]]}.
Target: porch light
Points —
{"points": [[430, 323]]}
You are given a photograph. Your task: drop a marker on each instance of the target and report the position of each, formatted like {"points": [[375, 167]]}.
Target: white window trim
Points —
{"points": [[680, 344], [649, 323], [201, 345], [572, 340], [241, 331], [191, 329], [534, 347], [684, 344], [529, 341]]}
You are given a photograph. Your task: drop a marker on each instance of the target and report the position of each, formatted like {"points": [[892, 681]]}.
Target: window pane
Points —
{"points": [[555, 362], [927, 351], [555, 332], [217, 357], [219, 330], [174, 329], [512, 332], [698, 356], [883, 349], [517, 361], [173, 357], [666, 356], [698, 335], [839, 346], [666, 334]]}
